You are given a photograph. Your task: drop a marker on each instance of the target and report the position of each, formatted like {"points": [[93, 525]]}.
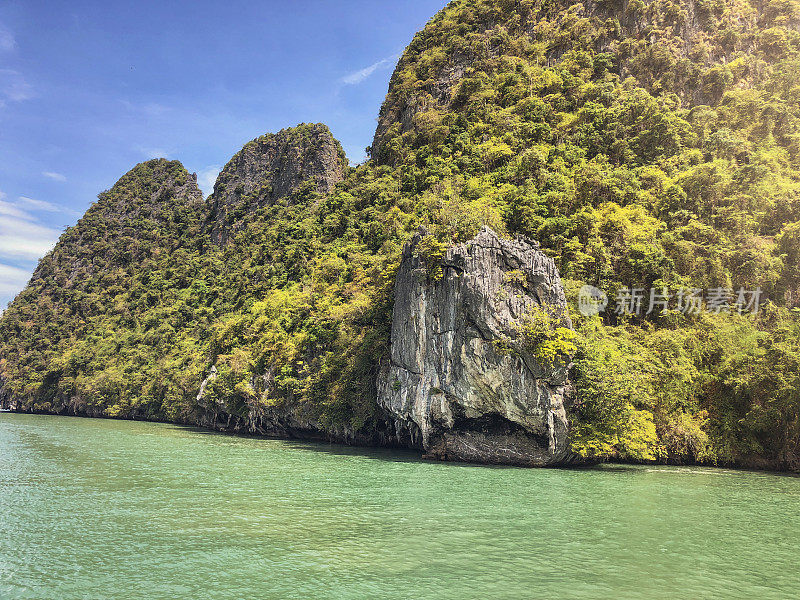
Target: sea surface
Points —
{"points": [[118, 510]]}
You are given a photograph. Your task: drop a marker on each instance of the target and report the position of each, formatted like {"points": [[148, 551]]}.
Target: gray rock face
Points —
{"points": [[270, 169], [448, 383], [398, 110]]}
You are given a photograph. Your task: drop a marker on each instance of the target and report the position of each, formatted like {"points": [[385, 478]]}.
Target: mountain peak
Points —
{"points": [[693, 50], [270, 169], [151, 181]]}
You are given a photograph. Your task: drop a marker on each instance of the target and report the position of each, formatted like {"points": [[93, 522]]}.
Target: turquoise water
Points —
{"points": [[108, 509]]}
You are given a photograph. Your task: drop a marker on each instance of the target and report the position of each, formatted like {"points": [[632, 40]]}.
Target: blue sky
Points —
{"points": [[89, 89]]}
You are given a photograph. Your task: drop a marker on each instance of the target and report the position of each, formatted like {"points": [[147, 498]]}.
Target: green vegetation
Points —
{"points": [[650, 147], [644, 144], [541, 334]]}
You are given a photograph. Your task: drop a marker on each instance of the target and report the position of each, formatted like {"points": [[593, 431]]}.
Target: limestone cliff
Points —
{"points": [[448, 383], [271, 168]]}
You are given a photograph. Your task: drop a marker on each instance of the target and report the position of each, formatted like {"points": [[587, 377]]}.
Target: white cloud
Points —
{"points": [[7, 41], [40, 205], [206, 178], [23, 238], [21, 209], [361, 75], [18, 91], [12, 280], [9, 209], [154, 109], [54, 176]]}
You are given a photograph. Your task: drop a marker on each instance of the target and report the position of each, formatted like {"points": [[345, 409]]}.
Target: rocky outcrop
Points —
{"points": [[448, 383], [271, 168]]}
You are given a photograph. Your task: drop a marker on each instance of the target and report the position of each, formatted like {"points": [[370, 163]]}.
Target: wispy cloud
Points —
{"points": [[14, 87], [41, 205], [150, 109], [361, 75], [54, 176], [12, 280], [206, 178], [8, 209], [7, 41], [23, 208], [22, 238], [152, 153], [19, 91]]}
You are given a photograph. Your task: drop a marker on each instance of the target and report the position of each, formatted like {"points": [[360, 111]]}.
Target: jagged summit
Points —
{"points": [[270, 168]]}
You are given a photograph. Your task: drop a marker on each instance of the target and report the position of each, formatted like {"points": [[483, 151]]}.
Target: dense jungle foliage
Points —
{"points": [[644, 144]]}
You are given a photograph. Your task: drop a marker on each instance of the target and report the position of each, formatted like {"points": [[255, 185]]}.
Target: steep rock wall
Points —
{"points": [[448, 383]]}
